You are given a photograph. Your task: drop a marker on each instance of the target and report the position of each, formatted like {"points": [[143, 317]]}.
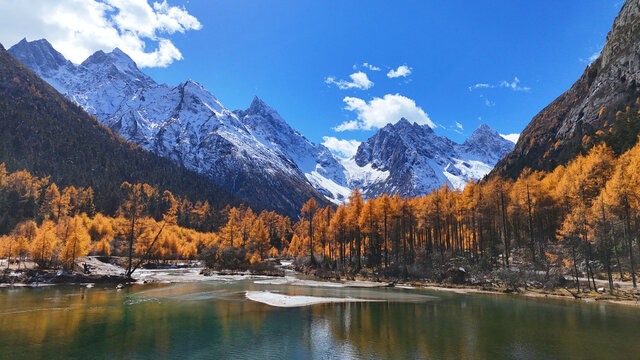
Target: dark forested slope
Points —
{"points": [[45, 133]]}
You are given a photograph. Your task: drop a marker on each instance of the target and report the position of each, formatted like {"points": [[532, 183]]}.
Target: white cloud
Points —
{"points": [[511, 137], [459, 126], [341, 147], [592, 58], [401, 71], [381, 111], [359, 80], [514, 85], [480, 86], [371, 67], [79, 28]]}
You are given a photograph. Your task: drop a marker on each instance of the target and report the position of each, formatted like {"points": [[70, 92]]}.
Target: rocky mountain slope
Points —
{"points": [[184, 123], [254, 153], [601, 105], [415, 160], [48, 135]]}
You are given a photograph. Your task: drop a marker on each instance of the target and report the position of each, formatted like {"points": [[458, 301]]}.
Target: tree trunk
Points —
{"points": [[575, 267]]}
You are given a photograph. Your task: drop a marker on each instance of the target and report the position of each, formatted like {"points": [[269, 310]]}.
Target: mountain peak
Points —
{"points": [[116, 57], [191, 82], [257, 101], [117, 52], [486, 144], [483, 134], [38, 53], [403, 122], [483, 130], [259, 107]]}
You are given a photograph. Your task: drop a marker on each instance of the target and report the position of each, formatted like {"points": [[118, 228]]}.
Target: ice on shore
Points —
{"points": [[280, 300]]}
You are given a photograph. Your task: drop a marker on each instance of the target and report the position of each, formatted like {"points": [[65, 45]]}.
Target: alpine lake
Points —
{"points": [[215, 319]]}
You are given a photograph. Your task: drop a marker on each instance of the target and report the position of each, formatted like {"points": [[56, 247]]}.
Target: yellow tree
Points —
{"points": [[385, 215], [260, 239], [149, 243], [70, 194], [102, 233], [50, 201], [246, 226], [368, 226], [599, 218], [322, 220], [189, 247], [136, 199], [24, 235], [338, 227], [170, 205], [623, 198], [574, 231], [45, 243], [296, 246], [7, 243], [308, 211], [76, 241], [354, 208], [231, 231]]}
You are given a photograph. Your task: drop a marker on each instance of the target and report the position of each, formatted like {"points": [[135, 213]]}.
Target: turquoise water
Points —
{"points": [[214, 320]]}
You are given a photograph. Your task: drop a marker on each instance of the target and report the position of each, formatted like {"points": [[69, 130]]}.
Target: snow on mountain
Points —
{"points": [[414, 160], [254, 153], [185, 123], [320, 167]]}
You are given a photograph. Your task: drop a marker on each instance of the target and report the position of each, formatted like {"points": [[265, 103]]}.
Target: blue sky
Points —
{"points": [[284, 50]]}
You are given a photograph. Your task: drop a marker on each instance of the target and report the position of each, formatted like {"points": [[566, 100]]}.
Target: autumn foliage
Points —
{"points": [[54, 227], [583, 217]]}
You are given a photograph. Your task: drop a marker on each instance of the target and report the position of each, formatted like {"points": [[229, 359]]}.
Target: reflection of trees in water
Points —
{"points": [[432, 329], [239, 315], [69, 322], [394, 330], [72, 322], [478, 328]]}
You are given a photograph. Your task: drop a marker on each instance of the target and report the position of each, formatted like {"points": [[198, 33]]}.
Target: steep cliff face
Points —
{"points": [[568, 125]]}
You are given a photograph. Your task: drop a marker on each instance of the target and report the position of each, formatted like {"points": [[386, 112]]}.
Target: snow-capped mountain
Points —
{"points": [[412, 160], [320, 167], [254, 153], [185, 123]]}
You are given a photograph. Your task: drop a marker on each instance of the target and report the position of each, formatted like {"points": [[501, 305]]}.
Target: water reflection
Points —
{"points": [[214, 320]]}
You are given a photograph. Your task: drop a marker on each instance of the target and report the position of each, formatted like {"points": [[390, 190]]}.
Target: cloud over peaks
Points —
{"points": [[379, 112], [79, 28], [341, 147]]}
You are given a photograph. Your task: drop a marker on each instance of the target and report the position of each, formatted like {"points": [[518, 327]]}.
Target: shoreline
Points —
{"points": [[109, 274], [470, 289]]}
